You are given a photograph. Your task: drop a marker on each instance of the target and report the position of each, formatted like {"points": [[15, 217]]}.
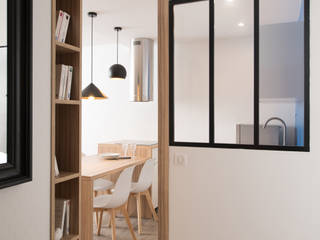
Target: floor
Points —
{"points": [[149, 228]]}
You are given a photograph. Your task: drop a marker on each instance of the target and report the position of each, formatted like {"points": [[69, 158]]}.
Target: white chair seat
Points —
{"points": [[102, 201], [102, 185], [136, 187]]}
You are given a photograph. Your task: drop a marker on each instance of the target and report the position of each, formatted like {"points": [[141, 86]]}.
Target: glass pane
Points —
{"points": [[281, 72], [3, 81], [191, 72], [234, 71]]}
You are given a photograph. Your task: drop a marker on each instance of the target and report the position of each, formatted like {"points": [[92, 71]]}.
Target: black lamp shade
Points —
{"points": [[92, 92], [117, 71]]}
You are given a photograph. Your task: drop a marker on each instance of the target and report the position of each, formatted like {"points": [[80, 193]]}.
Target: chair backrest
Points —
{"points": [[122, 188], [146, 176]]}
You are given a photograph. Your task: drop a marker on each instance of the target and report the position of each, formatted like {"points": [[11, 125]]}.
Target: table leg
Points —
{"points": [[86, 209]]}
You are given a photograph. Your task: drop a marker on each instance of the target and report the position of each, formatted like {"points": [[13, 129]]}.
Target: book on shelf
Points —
{"points": [[66, 229], [62, 26], [56, 168], [62, 216], [64, 75], [59, 23], [69, 82]]}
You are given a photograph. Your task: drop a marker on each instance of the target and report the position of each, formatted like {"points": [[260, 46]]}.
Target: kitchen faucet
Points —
{"points": [[284, 127]]}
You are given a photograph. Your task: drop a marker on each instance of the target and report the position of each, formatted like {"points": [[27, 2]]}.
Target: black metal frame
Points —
{"points": [[255, 146], [18, 168]]}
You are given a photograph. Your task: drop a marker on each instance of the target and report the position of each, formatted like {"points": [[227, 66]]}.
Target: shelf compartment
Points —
{"points": [[66, 176], [70, 190], [67, 141], [70, 237], [66, 48], [68, 102], [72, 7], [72, 59]]}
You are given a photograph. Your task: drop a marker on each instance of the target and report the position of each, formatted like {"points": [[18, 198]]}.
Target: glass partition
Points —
{"points": [[191, 72], [282, 73], [239, 74], [233, 71]]}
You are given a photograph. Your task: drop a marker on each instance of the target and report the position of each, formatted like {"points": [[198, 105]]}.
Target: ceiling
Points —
{"points": [[191, 20], [139, 18]]}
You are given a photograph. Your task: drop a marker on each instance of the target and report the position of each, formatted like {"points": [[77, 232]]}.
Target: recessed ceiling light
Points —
{"points": [[241, 24], [229, 1]]}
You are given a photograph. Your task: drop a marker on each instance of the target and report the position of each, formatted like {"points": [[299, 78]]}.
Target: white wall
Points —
{"points": [[225, 194], [24, 209], [3, 76], [115, 118], [3, 100]]}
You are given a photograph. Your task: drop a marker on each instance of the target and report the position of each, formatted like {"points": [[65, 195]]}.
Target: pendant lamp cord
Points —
{"points": [[92, 49], [117, 46]]}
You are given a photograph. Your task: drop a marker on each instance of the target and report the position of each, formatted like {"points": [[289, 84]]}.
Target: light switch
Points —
{"points": [[180, 160]]}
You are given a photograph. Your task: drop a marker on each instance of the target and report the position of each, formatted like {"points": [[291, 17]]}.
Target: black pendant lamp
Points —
{"points": [[117, 71], [91, 91]]}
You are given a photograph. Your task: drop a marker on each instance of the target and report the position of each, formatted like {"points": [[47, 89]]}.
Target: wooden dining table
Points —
{"points": [[94, 167]]}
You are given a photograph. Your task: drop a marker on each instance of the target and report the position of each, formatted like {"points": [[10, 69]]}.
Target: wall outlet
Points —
{"points": [[180, 159]]}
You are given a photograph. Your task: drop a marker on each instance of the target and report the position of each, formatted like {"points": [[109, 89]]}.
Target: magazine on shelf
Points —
{"points": [[61, 78], [69, 82], [64, 76], [59, 23], [66, 230], [60, 213], [56, 168], [62, 26], [62, 216]]}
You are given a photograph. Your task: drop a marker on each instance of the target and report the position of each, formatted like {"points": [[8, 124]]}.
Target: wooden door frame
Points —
{"points": [[163, 117]]}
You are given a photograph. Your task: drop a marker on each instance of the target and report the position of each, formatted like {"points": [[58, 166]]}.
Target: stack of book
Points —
{"points": [[62, 217], [62, 26], [63, 81]]}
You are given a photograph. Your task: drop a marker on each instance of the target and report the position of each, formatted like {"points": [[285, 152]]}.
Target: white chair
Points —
{"points": [[102, 185], [116, 201], [141, 188]]}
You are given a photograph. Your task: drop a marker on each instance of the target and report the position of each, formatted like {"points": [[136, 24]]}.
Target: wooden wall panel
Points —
{"points": [[163, 119]]}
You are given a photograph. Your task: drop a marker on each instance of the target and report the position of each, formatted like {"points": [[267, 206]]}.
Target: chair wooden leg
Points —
{"points": [[109, 223], [149, 200], [100, 222], [138, 196], [97, 218], [113, 224], [126, 215]]}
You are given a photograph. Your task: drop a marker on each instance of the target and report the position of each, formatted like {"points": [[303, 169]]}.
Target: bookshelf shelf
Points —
{"points": [[71, 237], [66, 176], [68, 102], [66, 119], [66, 48]]}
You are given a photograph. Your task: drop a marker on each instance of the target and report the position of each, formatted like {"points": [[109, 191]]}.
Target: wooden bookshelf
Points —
{"points": [[68, 102], [71, 237], [65, 176], [66, 118], [66, 48]]}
